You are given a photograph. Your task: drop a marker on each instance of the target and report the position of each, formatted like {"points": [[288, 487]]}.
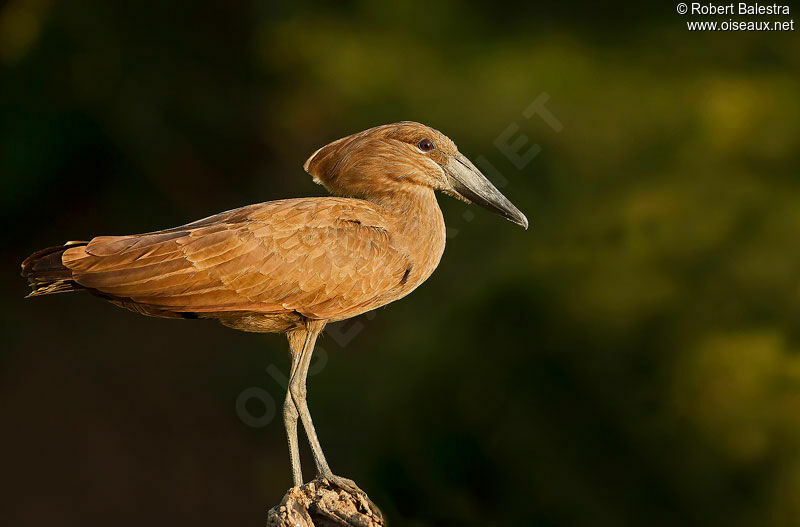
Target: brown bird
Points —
{"points": [[291, 266]]}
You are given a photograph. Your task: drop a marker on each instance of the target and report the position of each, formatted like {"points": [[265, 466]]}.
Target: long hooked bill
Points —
{"points": [[472, 185]]}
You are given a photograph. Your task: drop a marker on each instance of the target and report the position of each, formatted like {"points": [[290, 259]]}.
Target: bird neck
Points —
{"points": [[419, 220]]}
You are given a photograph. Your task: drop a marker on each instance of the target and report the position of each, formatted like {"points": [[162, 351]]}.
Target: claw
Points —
{"points": [[349, 486]]}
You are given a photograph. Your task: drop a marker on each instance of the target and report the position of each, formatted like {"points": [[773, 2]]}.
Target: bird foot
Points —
{"points": [[349, 486], [327, 500]]}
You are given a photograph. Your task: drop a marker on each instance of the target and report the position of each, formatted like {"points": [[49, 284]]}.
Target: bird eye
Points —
{"points": [[426, 145]]}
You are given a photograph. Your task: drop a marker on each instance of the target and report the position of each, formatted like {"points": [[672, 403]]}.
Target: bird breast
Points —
{"points": [[416, 230]]}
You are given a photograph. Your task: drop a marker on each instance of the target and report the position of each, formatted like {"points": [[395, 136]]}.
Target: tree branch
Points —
{"points": [[320, 504]]}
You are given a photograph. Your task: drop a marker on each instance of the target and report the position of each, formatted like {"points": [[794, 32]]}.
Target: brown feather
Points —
{"points": [[326, 258], [270, 266]]}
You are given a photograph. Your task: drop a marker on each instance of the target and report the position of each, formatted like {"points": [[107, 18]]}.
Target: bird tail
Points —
{"points": [[46, 273]]}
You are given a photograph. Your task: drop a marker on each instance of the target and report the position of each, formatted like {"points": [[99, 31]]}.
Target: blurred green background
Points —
{"points": [[633, 359]]}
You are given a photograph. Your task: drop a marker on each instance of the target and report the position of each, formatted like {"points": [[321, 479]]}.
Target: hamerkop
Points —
{"points": [[291, 266]]}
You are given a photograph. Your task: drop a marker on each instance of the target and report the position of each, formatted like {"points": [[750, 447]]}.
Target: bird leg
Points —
{"points": [[302, 343], [290, 423]]}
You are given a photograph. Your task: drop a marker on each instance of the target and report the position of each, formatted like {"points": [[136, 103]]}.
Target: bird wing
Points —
{"points": [[321, 257]]}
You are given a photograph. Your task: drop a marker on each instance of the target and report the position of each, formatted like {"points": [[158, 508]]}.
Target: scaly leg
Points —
{"points": [[303, 347], [290, 414], [302, 344]]}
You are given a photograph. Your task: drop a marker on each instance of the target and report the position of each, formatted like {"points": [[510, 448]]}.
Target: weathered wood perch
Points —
{"points": [[320, 504]]}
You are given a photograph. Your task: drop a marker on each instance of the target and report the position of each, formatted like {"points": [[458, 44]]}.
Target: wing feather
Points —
{"points": [[321, 257]]}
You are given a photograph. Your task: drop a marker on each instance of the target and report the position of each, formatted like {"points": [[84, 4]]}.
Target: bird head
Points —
{"points": [[403, 157]]}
